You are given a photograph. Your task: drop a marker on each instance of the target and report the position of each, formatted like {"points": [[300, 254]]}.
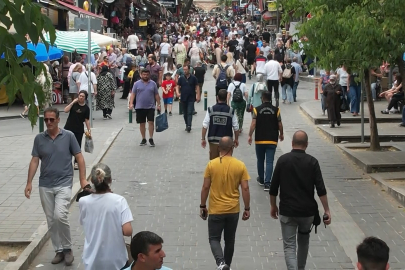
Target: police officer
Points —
{"points": [[219, 121]]}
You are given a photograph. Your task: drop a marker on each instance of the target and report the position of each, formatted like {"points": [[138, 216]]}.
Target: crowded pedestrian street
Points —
{"points": [[162, 187]]}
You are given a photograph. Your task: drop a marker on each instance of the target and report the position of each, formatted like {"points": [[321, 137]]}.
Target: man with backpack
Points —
{"points": [[223, 74], [297, 175]]}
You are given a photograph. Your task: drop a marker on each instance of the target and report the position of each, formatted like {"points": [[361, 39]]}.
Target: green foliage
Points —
{"points": [[27, 19], [226, 3]]}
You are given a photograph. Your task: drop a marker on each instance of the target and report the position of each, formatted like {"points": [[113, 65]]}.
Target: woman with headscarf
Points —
{"points": [[180, 51], [237, 96], [105, 92], [332, 93], [106, 218], [194, 54], [255, 93]]}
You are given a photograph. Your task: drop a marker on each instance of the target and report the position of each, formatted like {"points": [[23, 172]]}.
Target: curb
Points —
{"points": [[41, 235], [15, 116], [394, 192]]}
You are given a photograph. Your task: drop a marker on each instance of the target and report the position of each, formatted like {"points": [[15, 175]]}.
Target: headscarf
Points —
{"points": [[104, 71]]}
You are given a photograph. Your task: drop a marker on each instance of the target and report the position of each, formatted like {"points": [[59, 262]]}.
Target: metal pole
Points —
{"points": [[362, 110], [41, 121], [89, 70], [205, 100], [316, 88], [277, 18]]}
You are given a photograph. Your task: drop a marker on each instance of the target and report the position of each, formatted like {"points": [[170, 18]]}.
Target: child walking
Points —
{"points": [[168, 92]]}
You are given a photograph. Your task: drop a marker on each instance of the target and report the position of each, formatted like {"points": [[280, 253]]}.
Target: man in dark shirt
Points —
{"points": [[232, 46], [296, 174], [250, 55], [266, 35], [188, 86]]}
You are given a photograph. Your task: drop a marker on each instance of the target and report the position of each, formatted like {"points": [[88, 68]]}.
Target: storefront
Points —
{"points": [[56, 12]]}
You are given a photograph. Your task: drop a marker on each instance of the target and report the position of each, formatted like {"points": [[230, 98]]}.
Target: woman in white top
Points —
{"points": [[241, 66], [169, 67], [194, 55], [165, 51], [229, 59], [106, 219], [342, 77], [238, 95]]}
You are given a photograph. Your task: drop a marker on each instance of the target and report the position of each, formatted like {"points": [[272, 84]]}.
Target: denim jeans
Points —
{"points": [[294, 90], [217, 224], [55, 202], [265, 152], [188, 109], [163, 58], [284, 92], [355, 98], [295, 258], [289, 93]]}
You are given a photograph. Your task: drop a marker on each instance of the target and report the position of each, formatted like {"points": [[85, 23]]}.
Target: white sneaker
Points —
{"points": [[393, 111], [223, 266]]}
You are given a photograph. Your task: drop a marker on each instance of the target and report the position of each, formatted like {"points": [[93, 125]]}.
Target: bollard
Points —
{"points": [[316, 89], [180, 108], [130, 116], [41, 121], [205, 100]]}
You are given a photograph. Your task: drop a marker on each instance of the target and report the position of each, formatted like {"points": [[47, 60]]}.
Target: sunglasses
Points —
{"points": [[51, 120]]}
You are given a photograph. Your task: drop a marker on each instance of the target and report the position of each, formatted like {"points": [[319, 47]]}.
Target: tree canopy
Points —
{"points": [[28, 21], [357, 33]]}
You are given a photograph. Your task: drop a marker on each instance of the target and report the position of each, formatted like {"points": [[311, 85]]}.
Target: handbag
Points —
{"points": [[161, 122], [344, 104]]}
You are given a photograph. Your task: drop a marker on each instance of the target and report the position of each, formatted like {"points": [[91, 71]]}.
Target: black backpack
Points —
{"points": [[237, 93]]}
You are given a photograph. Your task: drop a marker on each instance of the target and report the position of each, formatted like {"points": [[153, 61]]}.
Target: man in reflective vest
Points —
{"points": [[219, 121]]}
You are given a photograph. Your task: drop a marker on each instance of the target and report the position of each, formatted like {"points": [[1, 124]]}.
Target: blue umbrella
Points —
{"points": [[42, 54]]}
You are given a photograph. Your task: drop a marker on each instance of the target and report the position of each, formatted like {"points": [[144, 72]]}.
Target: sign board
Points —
{"points": [[82, 23], [271, 6], [168, 4]]}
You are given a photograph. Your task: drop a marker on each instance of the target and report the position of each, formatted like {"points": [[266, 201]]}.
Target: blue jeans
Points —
{"points": [[244, 78], [265, 152], [294, 90], [284, 91], [188, 109], [355, 95]]}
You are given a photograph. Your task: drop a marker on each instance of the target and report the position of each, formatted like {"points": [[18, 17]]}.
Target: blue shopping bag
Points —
{"points": [[161, 123]]}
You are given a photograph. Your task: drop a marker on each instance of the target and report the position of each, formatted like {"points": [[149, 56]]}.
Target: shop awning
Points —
{"points": [[80, 10]]}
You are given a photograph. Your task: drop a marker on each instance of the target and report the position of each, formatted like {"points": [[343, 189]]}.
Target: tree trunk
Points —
{"points": [[374, 139], [186, 8]]}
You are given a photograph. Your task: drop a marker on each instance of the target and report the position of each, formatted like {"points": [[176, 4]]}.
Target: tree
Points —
{"points": [[28, 20], [226, 3], [185, 9], [357, 33]]}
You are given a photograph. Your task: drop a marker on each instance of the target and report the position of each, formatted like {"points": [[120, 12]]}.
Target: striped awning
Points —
{"points": [[73, 41]]}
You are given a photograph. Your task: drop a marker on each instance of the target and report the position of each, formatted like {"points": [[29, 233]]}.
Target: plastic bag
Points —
{"points": [[161, 122], [88, 145]]}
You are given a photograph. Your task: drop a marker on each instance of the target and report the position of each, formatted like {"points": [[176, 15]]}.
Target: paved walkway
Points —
{"points": [[162, 186]]}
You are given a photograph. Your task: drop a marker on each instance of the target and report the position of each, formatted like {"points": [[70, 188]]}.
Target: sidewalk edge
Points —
{"points": [[394, 192], [41, 235]]}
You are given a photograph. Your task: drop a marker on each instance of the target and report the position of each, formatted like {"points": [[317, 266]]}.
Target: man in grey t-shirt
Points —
{"points": [[55, 148]]}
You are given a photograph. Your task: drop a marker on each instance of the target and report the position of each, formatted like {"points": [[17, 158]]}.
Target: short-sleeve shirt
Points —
{"points": [[77, 115], [169, 87], [145, 94], [154, 71], [56, 158], [187, 88], [226, 176], [101, 213]]}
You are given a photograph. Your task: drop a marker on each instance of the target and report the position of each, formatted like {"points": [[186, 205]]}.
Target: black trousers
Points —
{"points": [[394, 101], [217, 224], [126, 90], [79, 138], [133, 51], [107, 111], [274, 84]]}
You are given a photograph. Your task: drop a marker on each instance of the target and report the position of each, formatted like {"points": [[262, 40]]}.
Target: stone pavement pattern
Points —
{"points": [[162, 186]]}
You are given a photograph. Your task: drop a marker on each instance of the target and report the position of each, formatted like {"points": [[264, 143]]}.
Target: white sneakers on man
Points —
{"points": [[223, 266]]}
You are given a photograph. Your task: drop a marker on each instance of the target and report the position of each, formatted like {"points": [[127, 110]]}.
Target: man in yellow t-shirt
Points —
{"points": [[222, 178]]}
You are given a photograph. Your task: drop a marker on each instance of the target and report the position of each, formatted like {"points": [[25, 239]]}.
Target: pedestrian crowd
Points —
{"points": [[174, 61]]}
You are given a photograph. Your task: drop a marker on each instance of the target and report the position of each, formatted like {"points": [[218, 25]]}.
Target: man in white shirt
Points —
{"points": [[265, 49], [274, 75], [133, 41], [232, 33], [83, 81]]}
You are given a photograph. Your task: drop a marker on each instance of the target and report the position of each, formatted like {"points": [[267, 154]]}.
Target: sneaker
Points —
{"points": [[59, 257], [170, 113], [104, 118], [266, 187], [385, 112], [151, 142], [338, 123], [69, 257], [223, 266], [393, 111], [109, 116], [194, 113], [188, 129], [260, 181], [143, 142], [76, 166], [402, 125]]}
